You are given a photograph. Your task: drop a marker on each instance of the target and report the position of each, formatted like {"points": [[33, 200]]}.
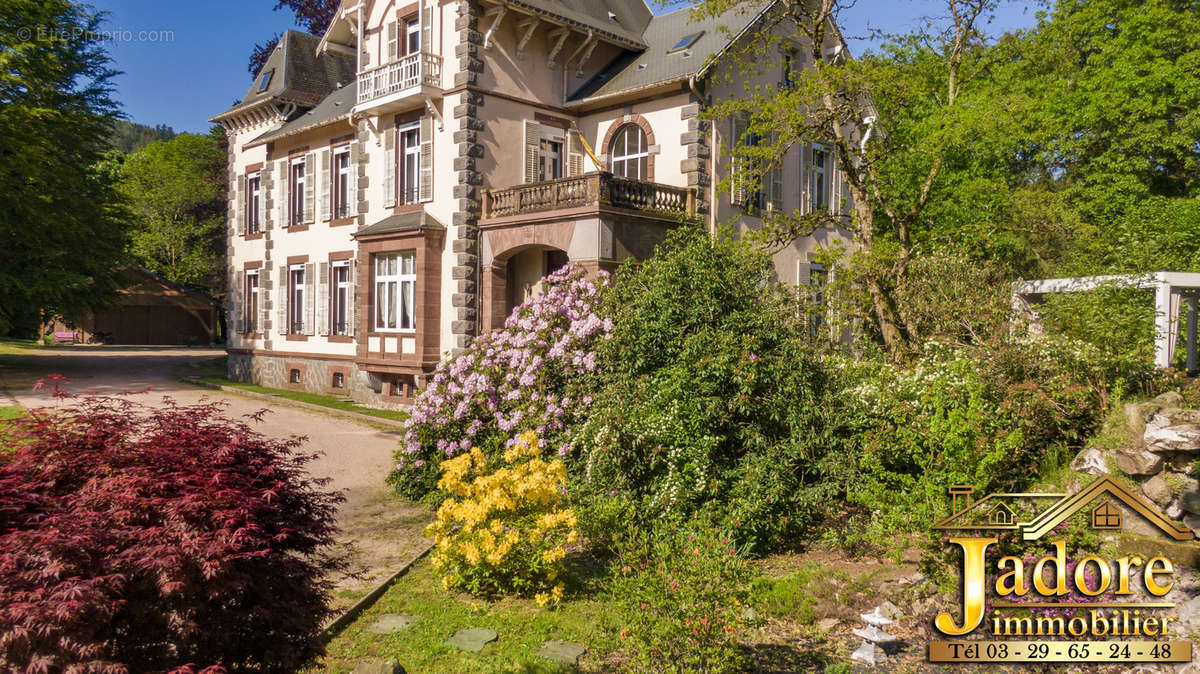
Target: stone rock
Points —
{"points": [[869, 654], [827, 624], [890, 610], [472, 639], [391, 622], [1156, 489], [1137, 462], [1090, 461], [750, 616], [1168, 399], [1189, 496], [875, 635], [562, 652], [1174, 511], [378, 666], [875, 618], [1173, 431], [1192, 522], [1189, 614], [1135, 419]]}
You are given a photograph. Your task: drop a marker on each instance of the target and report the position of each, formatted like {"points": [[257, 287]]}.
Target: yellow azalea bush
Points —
{"points": [[504, 527]]}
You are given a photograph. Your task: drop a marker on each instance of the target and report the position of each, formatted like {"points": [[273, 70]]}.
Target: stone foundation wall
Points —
{"points": [[316, 376], [1164, 456]]}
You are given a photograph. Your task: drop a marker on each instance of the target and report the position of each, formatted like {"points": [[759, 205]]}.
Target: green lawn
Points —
{"points": [[12, 347], [213, 372], [11, 411], [522, 627]]}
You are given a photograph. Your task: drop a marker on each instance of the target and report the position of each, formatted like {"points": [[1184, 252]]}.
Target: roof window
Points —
{"points": [[685, 42], [266, 80]]}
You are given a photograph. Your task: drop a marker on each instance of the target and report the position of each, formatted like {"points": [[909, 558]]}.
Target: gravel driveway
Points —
{"points": [[384, 530]]}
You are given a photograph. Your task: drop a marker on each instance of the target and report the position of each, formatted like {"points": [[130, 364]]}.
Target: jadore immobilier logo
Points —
{"points": [[1049, 607]]}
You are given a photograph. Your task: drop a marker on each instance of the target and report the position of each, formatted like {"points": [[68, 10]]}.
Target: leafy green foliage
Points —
{"points": [[130, 137], [177, 192], [59, 217], [681, 593], [710, 399]]}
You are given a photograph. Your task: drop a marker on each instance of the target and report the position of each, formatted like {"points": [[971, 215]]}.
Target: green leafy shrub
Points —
{"points": [[709, 398], [681, 593]]}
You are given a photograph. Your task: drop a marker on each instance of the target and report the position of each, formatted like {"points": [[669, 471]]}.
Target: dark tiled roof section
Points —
{"points": [[635, 71], [336, 106], [298, 74], [401, 222]]}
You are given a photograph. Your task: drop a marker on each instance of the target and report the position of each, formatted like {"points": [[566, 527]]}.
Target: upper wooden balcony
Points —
{"points": [[598, 190], [401, 83]]}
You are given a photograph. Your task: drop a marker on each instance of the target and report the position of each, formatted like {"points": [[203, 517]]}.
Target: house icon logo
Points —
{"points": [[1032, 515]]}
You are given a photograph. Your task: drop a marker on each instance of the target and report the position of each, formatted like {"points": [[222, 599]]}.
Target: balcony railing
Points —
{"points": [[409, 72], [592, 189]]}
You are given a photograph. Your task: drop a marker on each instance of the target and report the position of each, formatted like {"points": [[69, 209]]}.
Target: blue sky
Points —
{"points": [[183, 62]]}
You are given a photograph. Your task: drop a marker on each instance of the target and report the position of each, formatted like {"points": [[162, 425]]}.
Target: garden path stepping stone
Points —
{"points": [[562, 652], [391, 622], [472, 639], [379, 667]]}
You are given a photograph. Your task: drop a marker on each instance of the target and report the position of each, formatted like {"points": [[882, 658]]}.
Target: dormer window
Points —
{"points": [[266, 80], [686, 42]]}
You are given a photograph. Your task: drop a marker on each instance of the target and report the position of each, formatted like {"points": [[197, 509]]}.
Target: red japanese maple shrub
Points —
{"points": [[138, 539]]}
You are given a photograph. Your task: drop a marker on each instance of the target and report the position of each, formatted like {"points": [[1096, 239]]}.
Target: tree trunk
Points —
{"points": [[885, 319]]}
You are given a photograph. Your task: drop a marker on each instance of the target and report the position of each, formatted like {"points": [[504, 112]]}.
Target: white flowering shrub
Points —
{"points": [[515, 379]]}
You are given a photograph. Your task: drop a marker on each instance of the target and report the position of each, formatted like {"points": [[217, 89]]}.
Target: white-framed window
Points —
{"points": [[295, 308], [410, 163], [251, 314], [296, 181], [341, 182], [340, 297], [818, 179], [253, 197], [412, 36], [551, 165], [395, 292], [630, 154]]}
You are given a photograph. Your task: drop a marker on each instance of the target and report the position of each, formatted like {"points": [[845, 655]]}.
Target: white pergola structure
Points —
{"points": [[1171, 289]]}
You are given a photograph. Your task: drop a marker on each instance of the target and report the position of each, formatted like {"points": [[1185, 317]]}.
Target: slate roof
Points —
{"points": [[654, 66], [334, 107], [298, 74], [629, 19], [401, 222]]}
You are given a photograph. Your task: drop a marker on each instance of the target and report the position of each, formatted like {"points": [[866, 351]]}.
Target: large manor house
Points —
{"points": [[403, 181]]}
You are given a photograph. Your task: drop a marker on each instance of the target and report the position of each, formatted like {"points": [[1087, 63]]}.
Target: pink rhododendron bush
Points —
{"points": [[531, 375]]}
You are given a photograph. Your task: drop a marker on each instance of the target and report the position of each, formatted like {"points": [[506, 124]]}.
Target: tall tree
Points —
{"points": [[177, 195], [59, 217], [893, 122]]}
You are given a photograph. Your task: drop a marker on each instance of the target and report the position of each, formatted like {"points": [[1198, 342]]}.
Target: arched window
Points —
{"points": [[630, 155]]}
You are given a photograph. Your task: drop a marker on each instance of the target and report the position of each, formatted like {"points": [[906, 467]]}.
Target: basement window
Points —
{"points": [[339, 380], [294, 376], [685, 42]]}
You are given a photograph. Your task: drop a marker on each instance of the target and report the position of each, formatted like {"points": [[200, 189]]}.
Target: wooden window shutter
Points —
{"points": [[737, 165], [426, 159], [533, 153], [393, 40], [310, 299], [574, 154], [263, 223], [326, 194], [323, 296], [281, 301], [310, 187], [352, 298], [389, 167], [237, 303], [264, 282], [281, 192], [353, 189], [427, 28], [239, 206]]}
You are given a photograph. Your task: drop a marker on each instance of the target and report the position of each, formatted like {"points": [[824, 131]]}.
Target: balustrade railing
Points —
{"points": [[592, 189], [409, 72]]}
